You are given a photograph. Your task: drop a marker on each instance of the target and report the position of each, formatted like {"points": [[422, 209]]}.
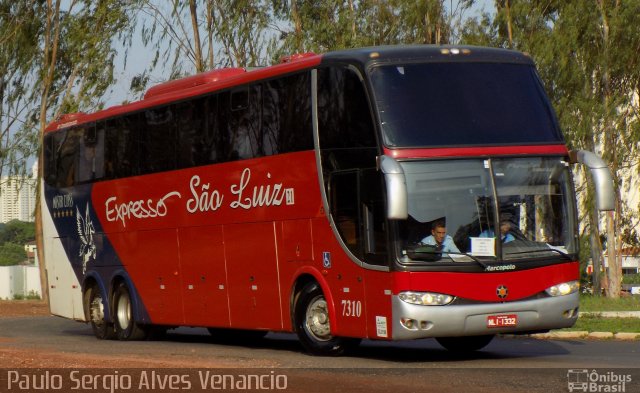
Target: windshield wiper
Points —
{"points": [[476, 260], [562, 254]]}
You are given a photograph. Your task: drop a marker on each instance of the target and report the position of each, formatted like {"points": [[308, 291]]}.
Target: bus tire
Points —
{"points": [[102, 329], [125, 325], [311, 316], [465, 344]]}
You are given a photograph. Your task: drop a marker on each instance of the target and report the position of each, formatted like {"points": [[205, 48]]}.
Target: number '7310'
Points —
{"points": [[351, 308]]}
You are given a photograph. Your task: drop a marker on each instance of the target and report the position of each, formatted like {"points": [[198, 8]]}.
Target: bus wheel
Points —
{"points": [[102, 329], [126, 327], [465, 344], [313, 325]]}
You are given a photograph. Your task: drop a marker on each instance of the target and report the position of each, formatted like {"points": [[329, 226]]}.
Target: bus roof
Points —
{"points": [[220, 79]]}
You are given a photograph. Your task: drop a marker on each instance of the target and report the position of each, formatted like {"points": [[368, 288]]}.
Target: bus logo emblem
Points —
{"points": [[502, 291], [289, 196], [85, 232], [326, 259]]}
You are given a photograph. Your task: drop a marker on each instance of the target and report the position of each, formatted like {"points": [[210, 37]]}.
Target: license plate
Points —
{"points": [[497, 321]]}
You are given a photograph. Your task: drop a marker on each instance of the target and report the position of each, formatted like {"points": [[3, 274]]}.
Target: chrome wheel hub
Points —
{"points": [[317, 319], [124, 311], [97, 311]]}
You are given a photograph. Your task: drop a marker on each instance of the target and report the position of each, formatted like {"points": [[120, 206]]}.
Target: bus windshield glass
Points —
{"points": [[454, 104], [492, 210]]}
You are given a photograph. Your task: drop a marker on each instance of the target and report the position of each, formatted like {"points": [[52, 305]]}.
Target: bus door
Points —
{"points": [[348, 151], [204, 276], [252, 268]]}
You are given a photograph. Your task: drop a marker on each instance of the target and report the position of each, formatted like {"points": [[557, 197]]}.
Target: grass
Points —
{"points": [[590, 303], [591, 323], [615, 325]]}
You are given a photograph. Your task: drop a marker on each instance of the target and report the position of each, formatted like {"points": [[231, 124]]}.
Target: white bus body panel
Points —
{"points": [[65, 293]]}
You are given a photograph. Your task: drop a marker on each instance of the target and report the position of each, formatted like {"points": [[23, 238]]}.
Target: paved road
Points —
{"points": [[507, 364]]}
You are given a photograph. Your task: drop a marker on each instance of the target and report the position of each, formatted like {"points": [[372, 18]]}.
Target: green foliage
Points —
{"points": [[20, 27], [84, 66], [32, 295], [631, 279], [321, 26], [17, 232], [12, 254], [13, 236]]}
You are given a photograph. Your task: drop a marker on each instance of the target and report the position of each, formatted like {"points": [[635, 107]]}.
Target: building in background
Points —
{"points": [[18, 197]]}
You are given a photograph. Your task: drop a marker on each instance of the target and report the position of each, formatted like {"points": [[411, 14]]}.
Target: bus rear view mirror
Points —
{"points": [[605, 196], [396, 183]]}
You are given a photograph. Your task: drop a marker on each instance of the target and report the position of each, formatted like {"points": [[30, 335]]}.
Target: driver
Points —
{"points": [[440, 239]]}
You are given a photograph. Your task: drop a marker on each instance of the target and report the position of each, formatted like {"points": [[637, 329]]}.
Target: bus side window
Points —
{"points": [[244, 123], [192, 144], [348, 153], [67, 144], [287, 114], [158, 140], [91, 157], [49, 159], [216, 127], [120, 150], [297, 129], [273, 92]]}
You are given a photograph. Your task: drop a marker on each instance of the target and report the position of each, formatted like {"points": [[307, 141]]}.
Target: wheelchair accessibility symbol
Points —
{"points": [[326, 259]]}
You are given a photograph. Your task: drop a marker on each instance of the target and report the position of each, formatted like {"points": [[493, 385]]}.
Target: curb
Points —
{"points": [[610, 314], [580, 334], [583, 334]]}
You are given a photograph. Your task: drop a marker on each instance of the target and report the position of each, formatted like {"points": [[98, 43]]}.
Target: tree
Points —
{"points": [[17, 232], [75, 66], [321, 26], [20, 27], [233, 31], [13, 237], [12, 254]]}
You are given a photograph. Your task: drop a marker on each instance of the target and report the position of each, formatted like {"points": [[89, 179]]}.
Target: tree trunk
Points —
{"points": [[193, 9], [614, 271], [596, 252]]}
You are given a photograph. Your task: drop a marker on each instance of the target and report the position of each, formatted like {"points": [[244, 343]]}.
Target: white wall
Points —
{"points": [[19, 280]]}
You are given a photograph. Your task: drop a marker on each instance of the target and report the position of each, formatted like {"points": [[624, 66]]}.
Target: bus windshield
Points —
{"points": [[525, 204], [447, 104]]}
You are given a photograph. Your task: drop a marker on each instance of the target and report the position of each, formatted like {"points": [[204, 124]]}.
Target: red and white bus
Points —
{"points": [[300, 198]]}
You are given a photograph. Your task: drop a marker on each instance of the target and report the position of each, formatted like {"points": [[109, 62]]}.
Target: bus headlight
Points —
{"points": [[425, 298], [565, 288]]}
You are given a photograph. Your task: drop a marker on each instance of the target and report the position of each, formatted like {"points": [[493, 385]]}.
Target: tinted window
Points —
{"points": [[444, 104], [287, 115], [193, 143], [66, 146], [121, 147], [348, 151], [91, 154], [249, 121], [158, 140], [243, 123], [344, 117]]}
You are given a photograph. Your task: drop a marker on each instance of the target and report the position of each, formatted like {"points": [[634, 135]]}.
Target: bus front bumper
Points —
{"points": [[414, 321]]}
